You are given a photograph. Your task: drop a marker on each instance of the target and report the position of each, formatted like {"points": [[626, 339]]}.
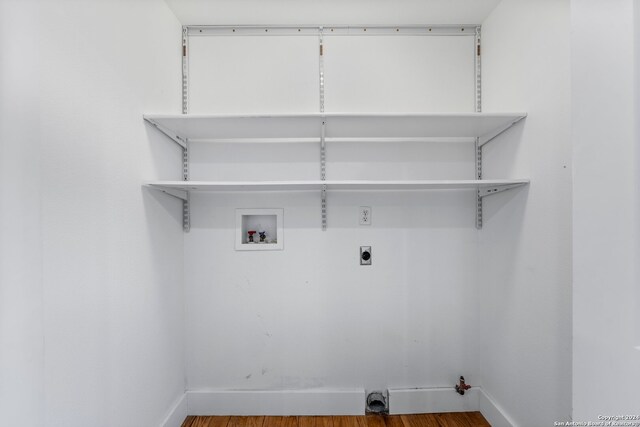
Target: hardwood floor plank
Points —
{"points": [[212, 421], [324, 421], [476, 419], [306, 421], [375, 421], [272, 421], [315, 421], [350, 421], [237, 421], [342, 421], [458, 419], [453, 419], [420, 420], [201, 422], [361, 421], [255, 421], [289, 422], [393, 421]]}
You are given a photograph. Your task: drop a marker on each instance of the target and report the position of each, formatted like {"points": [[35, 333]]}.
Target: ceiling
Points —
{"points": [[331, 12]]}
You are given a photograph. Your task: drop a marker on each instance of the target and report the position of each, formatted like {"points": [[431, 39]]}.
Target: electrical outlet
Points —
{"points": [[365, 215], [365, 255]]}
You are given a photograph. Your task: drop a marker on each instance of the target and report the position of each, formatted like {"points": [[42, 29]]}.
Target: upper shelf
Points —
{"points": [[338, 126]]}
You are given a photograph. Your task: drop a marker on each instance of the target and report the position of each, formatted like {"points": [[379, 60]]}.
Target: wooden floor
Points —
{"points": [[458, 419]]}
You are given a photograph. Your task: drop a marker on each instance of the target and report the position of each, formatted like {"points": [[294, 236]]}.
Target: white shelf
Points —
{"points": [[486, 187], [338, 126], [335, 127]]}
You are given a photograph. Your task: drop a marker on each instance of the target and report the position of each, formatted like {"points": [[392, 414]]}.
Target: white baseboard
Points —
{"points": [[434, 400], [281, 402], [177, 414], [332, 402], [492, 412]]}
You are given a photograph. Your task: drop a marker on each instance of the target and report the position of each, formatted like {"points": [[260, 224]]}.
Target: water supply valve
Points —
{"points": [[462, 386]]}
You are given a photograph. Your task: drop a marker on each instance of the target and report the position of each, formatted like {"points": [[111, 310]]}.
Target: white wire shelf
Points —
{"points": [[338, 126]]}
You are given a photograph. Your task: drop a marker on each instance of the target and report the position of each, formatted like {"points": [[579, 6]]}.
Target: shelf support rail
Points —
{"points": [[332, 30], [323, 177], [478, 144], [479, 193], [323, 152], [186, 205]]}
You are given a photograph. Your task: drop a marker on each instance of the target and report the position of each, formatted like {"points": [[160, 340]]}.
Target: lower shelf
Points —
{"points": [[182, 189], [485, 187]]}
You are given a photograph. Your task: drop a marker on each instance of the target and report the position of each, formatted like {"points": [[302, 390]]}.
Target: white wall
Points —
{"points": [[636, 15], [606, 171], [310, 317], [91, 266], [525, 250], [21, 343], [331, 12], [92, 279]]}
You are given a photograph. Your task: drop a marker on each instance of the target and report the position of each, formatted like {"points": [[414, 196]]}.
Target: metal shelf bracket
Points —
{"points": [[171, 135], [495, 190], [178, 194], [485, 139]]}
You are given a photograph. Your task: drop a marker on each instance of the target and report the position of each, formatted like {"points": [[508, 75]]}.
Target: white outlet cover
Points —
{"points": [[365, 215]]}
